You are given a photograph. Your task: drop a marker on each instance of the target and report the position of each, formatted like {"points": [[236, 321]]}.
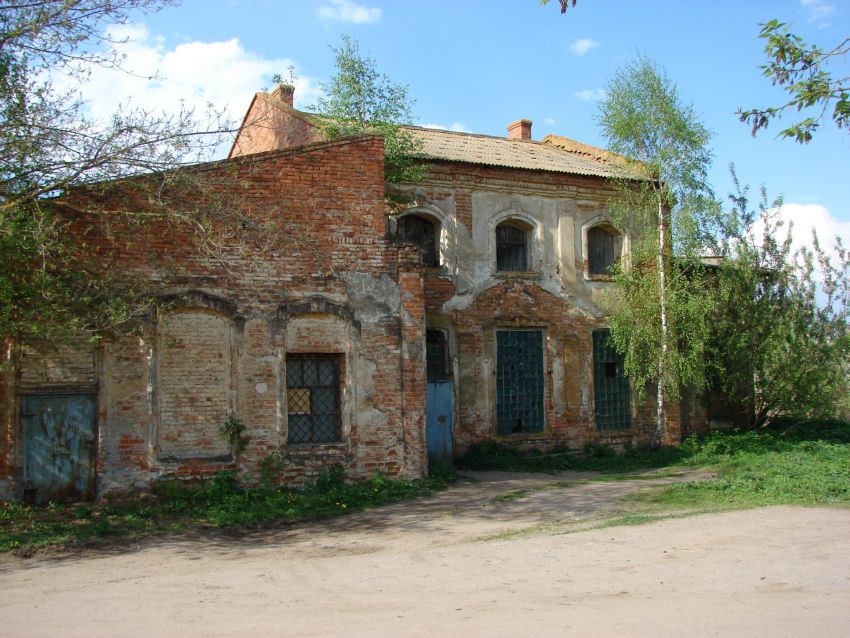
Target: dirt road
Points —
{"points": [[445, 566]]}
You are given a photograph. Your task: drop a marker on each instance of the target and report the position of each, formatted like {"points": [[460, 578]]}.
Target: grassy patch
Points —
{"points": [[177, 507], [516, 495], [791, 462], [490, 455]]}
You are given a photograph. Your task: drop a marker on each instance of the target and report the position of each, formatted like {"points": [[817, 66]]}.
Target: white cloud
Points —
{"points": [[221, 75], [457, 127], [582, 46], [800, 220], [590, 95], [348, 11], [817, 10], [549, 120]]}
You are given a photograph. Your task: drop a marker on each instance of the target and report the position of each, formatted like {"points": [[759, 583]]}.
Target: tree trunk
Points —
{"points": [[658, 438]]}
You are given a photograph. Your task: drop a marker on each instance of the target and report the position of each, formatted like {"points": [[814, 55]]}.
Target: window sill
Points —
{"points": [[509, 274], [523, 436], [307, 448], [612, 433], [435, 271], [181, 459], [590, 277]]}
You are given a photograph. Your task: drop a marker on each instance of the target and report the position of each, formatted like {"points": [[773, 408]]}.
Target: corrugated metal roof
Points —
{"points": [[556, 154]]}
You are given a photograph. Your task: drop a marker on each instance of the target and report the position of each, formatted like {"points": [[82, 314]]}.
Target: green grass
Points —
{"points": [[175, 507], [790, 462], [490, 455]]}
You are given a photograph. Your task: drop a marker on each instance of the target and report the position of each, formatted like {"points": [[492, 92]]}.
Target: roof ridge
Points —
{"points": [[466, 133]]}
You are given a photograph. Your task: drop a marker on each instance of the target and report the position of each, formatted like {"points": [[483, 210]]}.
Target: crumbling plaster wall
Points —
{"points": [[470, 299]]}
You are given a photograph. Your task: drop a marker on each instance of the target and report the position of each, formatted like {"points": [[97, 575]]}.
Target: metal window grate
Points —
{"points": [[519, 381], [612, 395], [436, 355], [601, 256], [312, 390], [511, 248]]}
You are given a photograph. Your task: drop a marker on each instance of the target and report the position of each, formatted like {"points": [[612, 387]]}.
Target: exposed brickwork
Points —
{"points": [[222, 346], [338, 287], [268, 127], [194, 384]]}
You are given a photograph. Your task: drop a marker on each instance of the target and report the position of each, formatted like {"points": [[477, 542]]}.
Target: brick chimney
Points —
{"points": [[285, 93], [519, 130]]}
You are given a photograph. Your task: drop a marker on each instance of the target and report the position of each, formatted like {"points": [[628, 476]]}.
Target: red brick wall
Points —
{"points": [[334, 266], [269, 126]]}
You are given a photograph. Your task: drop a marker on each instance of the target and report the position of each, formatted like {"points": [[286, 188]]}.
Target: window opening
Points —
{"points": [[611, 390], [511, 248], [436, 355], [312, 390], [423, 233], [519, 381], [601, 255]]}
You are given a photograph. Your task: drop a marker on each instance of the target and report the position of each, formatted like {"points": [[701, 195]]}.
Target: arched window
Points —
{"points": [[421, 232], [601, 251], [512, 247]]}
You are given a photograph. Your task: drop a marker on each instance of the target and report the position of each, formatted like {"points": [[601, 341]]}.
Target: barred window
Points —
{"points": [[436, 355], [312, 391], [612, 395], [601, 251], [519, 382], [511, 247]]}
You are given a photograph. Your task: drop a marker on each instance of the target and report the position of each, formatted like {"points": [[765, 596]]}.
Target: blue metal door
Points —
{"points": [[59, 448], [438, 429]]}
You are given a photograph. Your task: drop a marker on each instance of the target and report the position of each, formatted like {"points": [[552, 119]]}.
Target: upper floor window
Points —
{"points": [[601, 251], [421, 232], [512, 247]]}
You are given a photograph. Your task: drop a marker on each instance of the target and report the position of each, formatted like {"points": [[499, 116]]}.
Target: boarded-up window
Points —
{"points": [[312, 398], [611, 391], [423, 233], [519, 381], [194, 384], [511, 247], [601, 251]]}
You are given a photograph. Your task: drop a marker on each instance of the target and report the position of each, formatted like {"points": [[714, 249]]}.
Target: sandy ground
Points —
{"points": [[449, 565]]}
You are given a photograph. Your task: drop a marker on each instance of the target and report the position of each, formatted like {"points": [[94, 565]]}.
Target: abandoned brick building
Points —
{"points": [[473, 313]]}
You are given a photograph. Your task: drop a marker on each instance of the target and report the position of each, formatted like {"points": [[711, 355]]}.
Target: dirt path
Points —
{"points": [[421, 569]]}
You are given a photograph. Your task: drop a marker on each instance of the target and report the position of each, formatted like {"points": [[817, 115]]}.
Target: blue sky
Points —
{"points": [[477, 65]]}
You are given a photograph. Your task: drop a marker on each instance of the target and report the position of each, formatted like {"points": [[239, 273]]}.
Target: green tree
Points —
{"points": [[660, 314], [361, 100], [801, 70], [48, 145], [780, 343], [564, 4]]}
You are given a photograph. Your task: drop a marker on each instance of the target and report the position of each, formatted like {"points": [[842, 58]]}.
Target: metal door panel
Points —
{"points": [[59, 447], [438, 430]]}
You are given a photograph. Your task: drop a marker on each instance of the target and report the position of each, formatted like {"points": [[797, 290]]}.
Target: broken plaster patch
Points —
{"points": [[370, 297]]}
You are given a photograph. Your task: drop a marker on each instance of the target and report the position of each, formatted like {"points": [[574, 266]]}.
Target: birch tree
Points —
{"points": [[660, 313]]}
